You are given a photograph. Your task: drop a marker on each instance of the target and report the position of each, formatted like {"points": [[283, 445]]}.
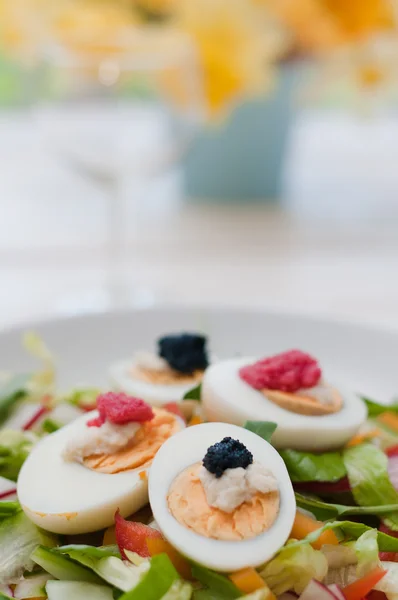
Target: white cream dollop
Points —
{"points": [[106, 439], [236, 486], [151, 361], [321, 392]]}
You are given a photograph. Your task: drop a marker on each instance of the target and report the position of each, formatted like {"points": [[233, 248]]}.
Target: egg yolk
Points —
{"points": [[317, 401], [143, 448], [187, 503], [164, 376]]}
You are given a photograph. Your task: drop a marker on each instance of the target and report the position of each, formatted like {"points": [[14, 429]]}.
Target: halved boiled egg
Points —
{"points": [[75, 479], [311, 414], [222, 496], [165, 376]]}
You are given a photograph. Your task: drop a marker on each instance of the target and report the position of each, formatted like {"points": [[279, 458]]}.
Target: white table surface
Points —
{"points": [[53, 234]]}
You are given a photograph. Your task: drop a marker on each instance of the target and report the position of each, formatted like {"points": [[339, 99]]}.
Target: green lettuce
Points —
{"points": [[194, 393], [14, 449], [326, 510], [349, 530], [77, 590], [264, 429], [304, 466], [293, 568], [367, 469], [62, 567], [43, 381], [367, 551], [375, 409], [19, 537], [215, 582], [11, 392], [83, 398], [156, 582], [180, 590], [105, 562]]}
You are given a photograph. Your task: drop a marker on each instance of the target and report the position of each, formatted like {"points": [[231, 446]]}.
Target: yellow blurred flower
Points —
{"points": [[236, 49]]}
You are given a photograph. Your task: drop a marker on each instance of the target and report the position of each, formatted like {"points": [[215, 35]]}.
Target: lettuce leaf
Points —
{"points": [[350, 530], [19, 537], [13, 390], [326, 510], [375, 409], [14, 449], [180, 590], [194, 393], [43, 381], [367, 551], [304, 466], [217, 583], [156, 582], [264, 429], [83, 398], [293, 568], [367, 469]]}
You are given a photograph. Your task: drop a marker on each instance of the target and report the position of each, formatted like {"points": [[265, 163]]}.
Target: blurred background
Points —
{"points": [[230, 152]]}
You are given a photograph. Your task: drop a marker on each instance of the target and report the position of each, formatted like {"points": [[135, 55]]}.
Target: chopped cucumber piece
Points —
{"points": [[77, 590], [156, 582], [62, 567]]}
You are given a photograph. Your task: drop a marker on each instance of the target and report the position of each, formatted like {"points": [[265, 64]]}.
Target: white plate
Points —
{"points": [[365, 359]]}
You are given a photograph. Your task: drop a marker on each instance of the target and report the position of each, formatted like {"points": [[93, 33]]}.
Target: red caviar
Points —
{"points": [[119, 408], [287, 372]]}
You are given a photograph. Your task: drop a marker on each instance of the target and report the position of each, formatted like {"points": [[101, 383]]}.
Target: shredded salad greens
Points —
{"points": [[344, 544]]}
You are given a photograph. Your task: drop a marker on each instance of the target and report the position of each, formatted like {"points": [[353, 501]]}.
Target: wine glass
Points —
{"points": [[124, 109]]}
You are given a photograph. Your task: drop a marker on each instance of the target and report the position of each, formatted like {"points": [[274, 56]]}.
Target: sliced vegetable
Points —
{"points": [[264, 429], [315, 590], [390, 419], [180, 590], [14, 449], [157, 545], [66, 590], [13, 390], [367, 552], [218, 584], [86, 399], [36, 417], [32, 586], [336, 590], [305, 466], [133, 536], [247, 580], [156, 582], [194, 393], [62, 567], [350, 530], [18, 538], [8, 509], [304, 525], [195, 420], [360, 438], [361, 587], [367, 468], [294, 567], [43, 381]]}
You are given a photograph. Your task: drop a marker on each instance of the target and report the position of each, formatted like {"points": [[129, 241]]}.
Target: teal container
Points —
{"points": [[242, 159]]}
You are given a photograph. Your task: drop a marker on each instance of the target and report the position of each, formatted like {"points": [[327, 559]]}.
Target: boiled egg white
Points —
{"points": [[155, 394], [226, 397], [67, 497], [189, 447]]}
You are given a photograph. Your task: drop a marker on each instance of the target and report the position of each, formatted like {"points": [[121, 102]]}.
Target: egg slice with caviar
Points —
{"points": [[75, 479], [166, 376], [222, 496], [319, 417]]}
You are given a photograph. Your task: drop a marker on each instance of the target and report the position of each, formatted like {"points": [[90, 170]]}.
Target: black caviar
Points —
{"points": [[185, 352], [227, 454]]}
